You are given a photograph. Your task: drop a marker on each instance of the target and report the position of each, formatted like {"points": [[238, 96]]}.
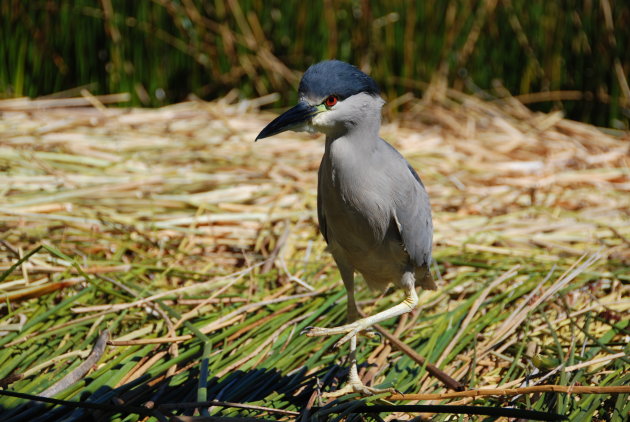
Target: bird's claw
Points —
{"points": [[372, 335]]}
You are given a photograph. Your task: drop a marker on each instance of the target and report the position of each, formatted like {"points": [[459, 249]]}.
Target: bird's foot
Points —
{"points": [[350, 330], [357, 387], [319, 331]]}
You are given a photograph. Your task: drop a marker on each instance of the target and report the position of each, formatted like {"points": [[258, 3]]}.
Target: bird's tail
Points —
{"points": [[424, 279]]}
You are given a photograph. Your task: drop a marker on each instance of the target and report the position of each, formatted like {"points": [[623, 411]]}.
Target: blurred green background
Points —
{"points": [[572, 55]]}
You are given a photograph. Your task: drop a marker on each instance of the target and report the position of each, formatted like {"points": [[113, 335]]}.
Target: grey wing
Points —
{"points": [[413, 217]]}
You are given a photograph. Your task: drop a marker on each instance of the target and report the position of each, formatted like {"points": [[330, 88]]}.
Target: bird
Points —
{"points": [[373, 209]]}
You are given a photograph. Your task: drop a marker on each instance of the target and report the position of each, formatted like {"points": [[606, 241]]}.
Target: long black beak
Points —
{"points": [[289, 120]]}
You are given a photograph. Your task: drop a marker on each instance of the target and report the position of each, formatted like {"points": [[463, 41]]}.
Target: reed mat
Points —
{"points": [[158, 264]]}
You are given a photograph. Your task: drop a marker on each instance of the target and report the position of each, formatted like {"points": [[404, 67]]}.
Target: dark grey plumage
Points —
{"points": [[338, 78]]}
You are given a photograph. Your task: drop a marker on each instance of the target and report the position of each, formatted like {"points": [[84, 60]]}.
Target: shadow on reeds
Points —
{"points": [[176, 396]]}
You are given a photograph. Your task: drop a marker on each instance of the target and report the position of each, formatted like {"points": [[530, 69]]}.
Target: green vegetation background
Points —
{"points": [[163, 50]]}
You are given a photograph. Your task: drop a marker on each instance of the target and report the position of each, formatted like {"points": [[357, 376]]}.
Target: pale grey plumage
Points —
{"points": [[373, 210]]}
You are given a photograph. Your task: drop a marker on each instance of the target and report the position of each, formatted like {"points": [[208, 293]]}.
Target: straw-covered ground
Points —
{"points": [[154, 259]]}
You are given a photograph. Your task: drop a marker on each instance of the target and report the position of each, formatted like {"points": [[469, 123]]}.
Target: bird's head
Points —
{"points": [[334, 97]]}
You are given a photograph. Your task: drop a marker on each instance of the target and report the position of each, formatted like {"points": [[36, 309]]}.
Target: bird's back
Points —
{"points": [[374, 212]]}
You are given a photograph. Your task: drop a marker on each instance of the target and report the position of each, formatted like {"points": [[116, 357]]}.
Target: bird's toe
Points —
{"points": [[315, 331], [372, 335], [357, 388], [346, 338]]}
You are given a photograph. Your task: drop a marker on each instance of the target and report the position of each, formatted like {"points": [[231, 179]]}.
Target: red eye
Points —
{"points": [[331, 101]]}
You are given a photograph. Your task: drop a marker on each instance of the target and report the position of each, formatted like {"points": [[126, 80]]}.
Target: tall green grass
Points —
{"points": [[163, 50]]}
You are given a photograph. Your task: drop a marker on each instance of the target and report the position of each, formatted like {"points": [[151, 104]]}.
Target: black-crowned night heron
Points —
{"points": [[372, 207]]}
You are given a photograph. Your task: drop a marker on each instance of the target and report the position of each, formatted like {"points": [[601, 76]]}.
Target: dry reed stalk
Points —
{"points": [[575, 389]]}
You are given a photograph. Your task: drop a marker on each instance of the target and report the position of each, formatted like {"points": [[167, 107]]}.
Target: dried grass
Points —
{"points": [[197, 247]]}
